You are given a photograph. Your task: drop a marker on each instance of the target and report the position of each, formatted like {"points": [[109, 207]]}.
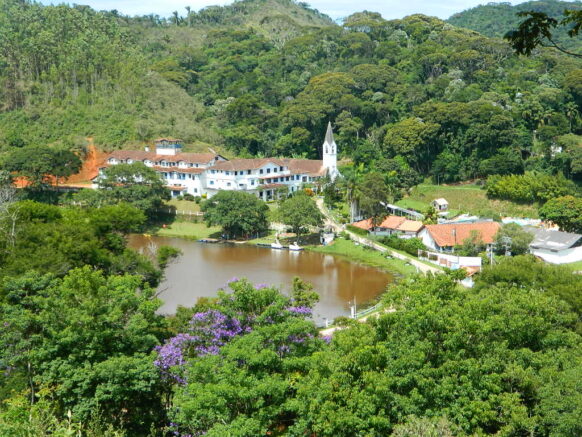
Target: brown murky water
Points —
{"points": [[204, 268]]}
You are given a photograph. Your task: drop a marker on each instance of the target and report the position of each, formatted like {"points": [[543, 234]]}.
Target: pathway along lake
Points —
{"points": [[204, 268]]}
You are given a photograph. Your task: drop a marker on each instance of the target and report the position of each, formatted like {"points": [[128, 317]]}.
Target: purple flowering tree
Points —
{"points": [[207, 332]]}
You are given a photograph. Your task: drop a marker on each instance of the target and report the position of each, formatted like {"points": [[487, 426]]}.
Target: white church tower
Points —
{"points": [[330, 153]]}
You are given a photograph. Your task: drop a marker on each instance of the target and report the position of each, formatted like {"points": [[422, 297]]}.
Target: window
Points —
{"points": [[280, 168], [228, 173], [261, 171], [195, 190], [241, 185], [248, 172], [236, 173], [211, 182], [228, 184], [213, 171], [268, 170], [252, 182]]}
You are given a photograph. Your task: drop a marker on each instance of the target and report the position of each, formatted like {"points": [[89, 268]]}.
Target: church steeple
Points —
{"points": [[330, 153], [329, 134]]}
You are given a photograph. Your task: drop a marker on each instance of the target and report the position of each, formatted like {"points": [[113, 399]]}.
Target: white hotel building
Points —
{"points": [[206, 173]]}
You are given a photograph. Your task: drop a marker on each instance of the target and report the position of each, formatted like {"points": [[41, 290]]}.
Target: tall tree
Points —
{"points": [[135, 184], [374, 195], [300, 212], [564, 211], [240, 214]]}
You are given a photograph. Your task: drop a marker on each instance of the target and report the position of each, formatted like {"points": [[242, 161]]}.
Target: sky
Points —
{"points": [[336, 9]]}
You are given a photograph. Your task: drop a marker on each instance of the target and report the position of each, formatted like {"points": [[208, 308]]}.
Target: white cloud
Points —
{"points": [[334, 8]]}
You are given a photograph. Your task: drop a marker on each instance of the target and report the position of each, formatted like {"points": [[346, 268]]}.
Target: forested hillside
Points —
{"points": [[496, 19], [263, 77]]}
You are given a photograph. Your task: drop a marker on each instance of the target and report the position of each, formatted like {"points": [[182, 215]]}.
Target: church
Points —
{"points": [[204, 174]]}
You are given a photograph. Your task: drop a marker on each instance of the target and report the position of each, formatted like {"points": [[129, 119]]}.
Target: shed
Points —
{"points": [[555, 247], [440, 204]]}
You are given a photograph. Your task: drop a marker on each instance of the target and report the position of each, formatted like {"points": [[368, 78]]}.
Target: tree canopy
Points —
{"points": [[240, 214], [300, 212]]}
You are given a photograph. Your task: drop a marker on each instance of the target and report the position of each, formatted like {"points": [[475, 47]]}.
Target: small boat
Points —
{"points": [[295, 247], [276, 245]]}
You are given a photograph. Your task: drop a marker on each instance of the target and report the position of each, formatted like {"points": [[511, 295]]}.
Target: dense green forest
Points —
{"points": [[84, 353], [496, 19], [263, 77]]}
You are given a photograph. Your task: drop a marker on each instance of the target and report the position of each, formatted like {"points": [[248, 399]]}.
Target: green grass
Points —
{"points": [[183, 229], [575, 267], [182, 206], [409, 203], [468, 199], [348, 250]]}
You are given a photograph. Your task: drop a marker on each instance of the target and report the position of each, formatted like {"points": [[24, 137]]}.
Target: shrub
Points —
{"points": [[529, 187], [357, 230], [408, 245], [189, 197]]}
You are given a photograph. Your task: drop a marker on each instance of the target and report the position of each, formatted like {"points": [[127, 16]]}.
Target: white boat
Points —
{"points": [[295, 246], [276, 245]]}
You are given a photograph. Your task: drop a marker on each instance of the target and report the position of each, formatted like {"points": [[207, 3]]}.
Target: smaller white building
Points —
{"points": [[555, 247], [441, 204]]}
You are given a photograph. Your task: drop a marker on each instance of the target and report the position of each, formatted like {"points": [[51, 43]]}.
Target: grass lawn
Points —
{"points": [[184, 206], [466, 198], [184, 229], [575, 267], [348, 250]]}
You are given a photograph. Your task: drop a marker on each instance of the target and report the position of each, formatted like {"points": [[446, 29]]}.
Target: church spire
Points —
{"points": [[329, 134], [330, 153]]}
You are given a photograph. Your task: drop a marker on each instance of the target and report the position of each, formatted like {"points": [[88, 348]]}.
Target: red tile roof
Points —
{"points": [[142, 155], [179, 170], [444, 235], [392, 222], [410, 226], [364, 224], [246, 164], [313, 167]]}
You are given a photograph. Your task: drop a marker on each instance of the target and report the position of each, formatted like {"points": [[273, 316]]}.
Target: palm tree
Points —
{"points": [[571, 110], [188, 16], [176, 17], [350, 183]]}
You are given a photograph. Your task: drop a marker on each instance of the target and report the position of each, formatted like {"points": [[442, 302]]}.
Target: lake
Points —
{"points": [[204, 268]]}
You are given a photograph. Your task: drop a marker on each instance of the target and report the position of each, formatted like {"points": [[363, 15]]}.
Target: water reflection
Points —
{"points": [[204, 268]]}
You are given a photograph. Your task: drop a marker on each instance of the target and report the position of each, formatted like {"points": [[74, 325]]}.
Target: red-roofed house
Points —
{"points": [[392, 225], [445, 237]]}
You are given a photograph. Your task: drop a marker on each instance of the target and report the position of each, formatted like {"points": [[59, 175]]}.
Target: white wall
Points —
{"points": [[561, 257]]}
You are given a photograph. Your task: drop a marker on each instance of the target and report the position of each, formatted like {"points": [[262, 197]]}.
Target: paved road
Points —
{"points": [[331, 223]]}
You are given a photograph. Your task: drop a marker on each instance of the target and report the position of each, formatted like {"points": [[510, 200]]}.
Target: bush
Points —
{"points": [[529, 187], [408, 245], [357, 230], [189, 197]]}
